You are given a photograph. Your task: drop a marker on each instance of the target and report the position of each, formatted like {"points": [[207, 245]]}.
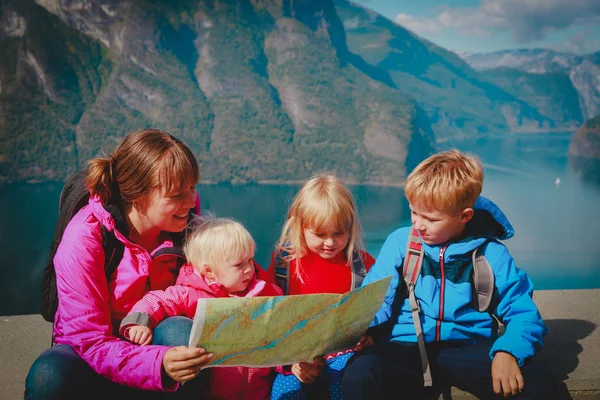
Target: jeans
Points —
{"points": [[59, 373], [393, 370]]}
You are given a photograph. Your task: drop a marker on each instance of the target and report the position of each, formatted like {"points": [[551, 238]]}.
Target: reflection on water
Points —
{"points": [[557, 226], [587, 168]]}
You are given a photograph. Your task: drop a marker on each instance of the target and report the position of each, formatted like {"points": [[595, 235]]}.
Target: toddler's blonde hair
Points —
{"points": [[323, 200], [214, 241], [449, 181]]}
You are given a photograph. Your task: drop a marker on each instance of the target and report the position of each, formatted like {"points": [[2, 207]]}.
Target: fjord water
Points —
{"points": [[555, 214]]}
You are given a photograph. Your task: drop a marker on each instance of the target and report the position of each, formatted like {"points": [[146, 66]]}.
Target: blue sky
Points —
{"points": [[492, 25]]}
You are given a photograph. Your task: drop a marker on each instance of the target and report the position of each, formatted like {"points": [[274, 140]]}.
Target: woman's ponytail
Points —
{"points": [[100, 179]]}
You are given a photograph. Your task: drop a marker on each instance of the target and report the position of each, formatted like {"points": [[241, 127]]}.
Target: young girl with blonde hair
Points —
{"points": [[321, 250]]}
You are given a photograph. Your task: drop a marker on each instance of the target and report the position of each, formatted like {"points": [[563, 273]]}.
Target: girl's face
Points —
{"points": [[327, 242], [235, 275], [169, 211]]}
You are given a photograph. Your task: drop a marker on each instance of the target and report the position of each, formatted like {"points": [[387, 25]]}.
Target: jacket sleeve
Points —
{"points": [[85, 316], [390, 257], [524, 326], [157, 305]]}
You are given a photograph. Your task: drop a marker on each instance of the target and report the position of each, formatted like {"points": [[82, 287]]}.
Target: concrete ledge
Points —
{"points": [[22, 339], [572, 347]]}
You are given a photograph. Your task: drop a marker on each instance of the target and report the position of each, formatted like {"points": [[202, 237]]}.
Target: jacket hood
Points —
{"points": [[488, 223], [188, 276], [110, 216]]}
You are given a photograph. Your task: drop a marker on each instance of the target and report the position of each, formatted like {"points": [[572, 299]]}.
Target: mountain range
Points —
{"points": [[261, 90], [545, 72]]}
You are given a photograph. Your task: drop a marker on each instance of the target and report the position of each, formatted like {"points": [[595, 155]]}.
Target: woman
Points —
{"points": [[144, 193]]}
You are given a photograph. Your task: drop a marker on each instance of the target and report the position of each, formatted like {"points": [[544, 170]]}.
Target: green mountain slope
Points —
{"points": [[583, 72], [586, 140], [457, 100], [553, 94], [261, 91], [584, 150], [49, 75]]}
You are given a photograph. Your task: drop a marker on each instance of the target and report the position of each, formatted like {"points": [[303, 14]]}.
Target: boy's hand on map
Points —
{"points": [[364, 342], [506, 375], [307, 372], [139, 334]]}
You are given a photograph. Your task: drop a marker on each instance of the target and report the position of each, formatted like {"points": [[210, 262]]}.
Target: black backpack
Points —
{"points": [[73, 197]]}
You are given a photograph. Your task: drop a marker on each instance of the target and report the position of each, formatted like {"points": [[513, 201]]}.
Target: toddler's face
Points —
{"points": [[327, 242], [436, 227], [235, 275]]}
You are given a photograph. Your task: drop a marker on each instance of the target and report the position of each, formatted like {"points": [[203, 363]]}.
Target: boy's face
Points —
{"points": [[437, 227]]}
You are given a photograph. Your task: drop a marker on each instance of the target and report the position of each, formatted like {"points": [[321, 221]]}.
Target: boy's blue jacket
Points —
{"points": [[451, 317]]}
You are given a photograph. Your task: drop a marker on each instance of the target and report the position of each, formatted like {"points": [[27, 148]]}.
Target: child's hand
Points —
{"points": [[141, 335], [307, 372], [364, 342], [506, 375]]}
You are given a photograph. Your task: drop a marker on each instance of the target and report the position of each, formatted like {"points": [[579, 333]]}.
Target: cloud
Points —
{"points": [[581, 42], [421, 25], [351, 23], [526, 20], [477, 25]]}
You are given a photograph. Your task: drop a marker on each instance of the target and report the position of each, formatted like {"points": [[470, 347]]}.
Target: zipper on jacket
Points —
{"points": [[246, 373], [438, 325]]}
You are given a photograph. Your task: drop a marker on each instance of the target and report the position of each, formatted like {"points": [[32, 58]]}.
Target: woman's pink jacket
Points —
{"points": [[181, 299], [90, 309]]}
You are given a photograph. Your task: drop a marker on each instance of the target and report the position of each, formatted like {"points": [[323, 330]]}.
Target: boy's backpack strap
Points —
{"points": [[282, 272], [359, 271], [483, 281], [413, 259]]}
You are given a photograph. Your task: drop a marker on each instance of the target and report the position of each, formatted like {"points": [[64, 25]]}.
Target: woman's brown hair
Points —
{"points": [[145, 160]]}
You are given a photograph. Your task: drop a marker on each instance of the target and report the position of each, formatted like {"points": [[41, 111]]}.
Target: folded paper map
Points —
{"points": [[270, 331]]}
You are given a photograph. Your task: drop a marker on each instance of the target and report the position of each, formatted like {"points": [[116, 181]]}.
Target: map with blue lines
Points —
{"points": [[271, 331]]}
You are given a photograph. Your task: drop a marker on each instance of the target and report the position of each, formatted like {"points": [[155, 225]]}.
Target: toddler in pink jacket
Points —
{"points": [[220, 253]]}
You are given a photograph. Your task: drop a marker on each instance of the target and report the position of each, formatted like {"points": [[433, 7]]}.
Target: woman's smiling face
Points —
{"points": [[169, 211]]}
